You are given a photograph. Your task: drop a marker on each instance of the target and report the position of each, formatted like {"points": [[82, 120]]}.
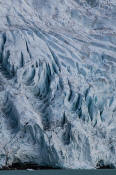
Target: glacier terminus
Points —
{"points": [[58, 83]]}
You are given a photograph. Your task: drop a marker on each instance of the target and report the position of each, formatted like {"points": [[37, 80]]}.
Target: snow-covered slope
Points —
{"points": [[58, 82]]}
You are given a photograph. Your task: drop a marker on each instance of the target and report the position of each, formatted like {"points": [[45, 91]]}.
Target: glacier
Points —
{"points": [[58, 83]]}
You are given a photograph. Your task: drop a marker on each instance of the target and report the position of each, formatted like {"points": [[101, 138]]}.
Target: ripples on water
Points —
{"points": [[59, 172]]}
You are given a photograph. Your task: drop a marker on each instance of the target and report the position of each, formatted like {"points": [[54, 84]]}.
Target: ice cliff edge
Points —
{"points": [[58, 83]]}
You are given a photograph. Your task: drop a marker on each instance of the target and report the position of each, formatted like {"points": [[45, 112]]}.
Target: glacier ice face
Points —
{"points": [[58, 83]]}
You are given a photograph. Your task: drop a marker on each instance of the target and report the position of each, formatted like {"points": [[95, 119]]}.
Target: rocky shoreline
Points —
{"points": [[32, 166], [26, 166]]}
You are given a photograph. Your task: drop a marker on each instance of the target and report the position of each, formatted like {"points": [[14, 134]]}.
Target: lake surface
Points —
{"points": [[59, 172]]}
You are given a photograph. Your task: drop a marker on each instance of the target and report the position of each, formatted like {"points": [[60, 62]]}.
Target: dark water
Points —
{"points": [[60, 172]]}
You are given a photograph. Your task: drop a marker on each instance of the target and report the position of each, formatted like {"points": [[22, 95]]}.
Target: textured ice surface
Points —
{"points": [[58, 82]]}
